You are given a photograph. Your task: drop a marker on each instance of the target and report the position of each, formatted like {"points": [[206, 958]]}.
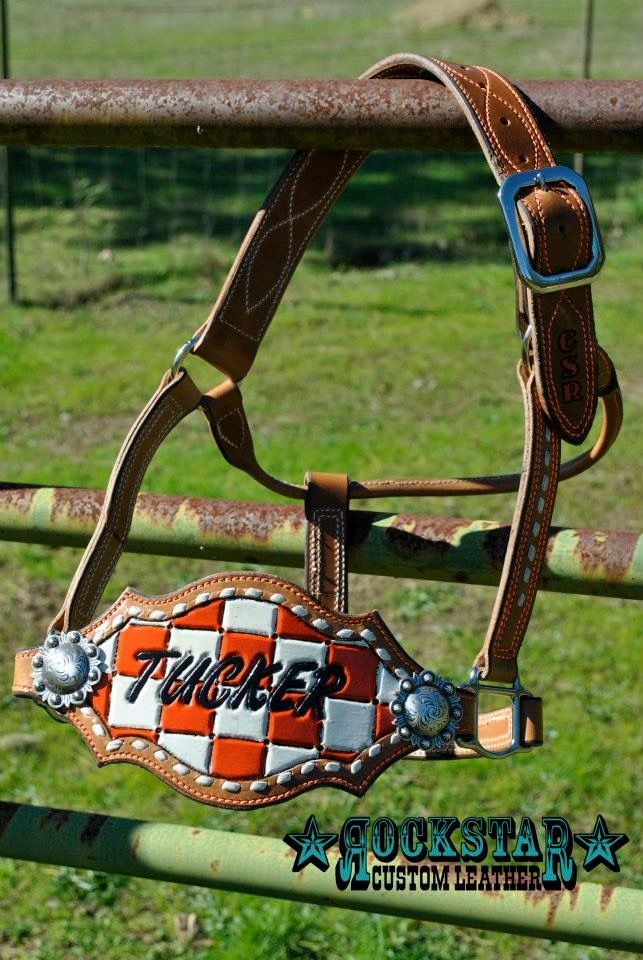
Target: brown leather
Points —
{"points": [[554, 220], [326, 561], [561, 375], [498, 658], [232, 432], [174, 399], [110, 744]]}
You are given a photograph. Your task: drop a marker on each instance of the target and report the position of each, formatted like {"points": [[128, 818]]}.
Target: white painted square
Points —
{"points": [[288, 652], [250, 616], [388, 685], [347, 725], [107, 652], [283, 758], [144, 713], [190, 749], [240, 721], [198, 643]]}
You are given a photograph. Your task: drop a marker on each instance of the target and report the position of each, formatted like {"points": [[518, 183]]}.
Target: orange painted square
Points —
{"points": [[341, 755], [99, 698], [190, 717], [383, 721], [247, 646], [206, 616], [291, 626], [360, 665], [132, 640], [289, 730], [237, 759]]}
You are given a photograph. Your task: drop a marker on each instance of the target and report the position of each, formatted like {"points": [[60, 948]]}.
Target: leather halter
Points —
{"points": [[562, 373]]}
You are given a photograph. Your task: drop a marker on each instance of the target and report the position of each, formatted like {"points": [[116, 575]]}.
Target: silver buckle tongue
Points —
{"points": [[514, 691], [507, 195]]}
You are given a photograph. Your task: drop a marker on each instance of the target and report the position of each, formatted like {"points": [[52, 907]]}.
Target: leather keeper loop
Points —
{"points": [[326, 567]]}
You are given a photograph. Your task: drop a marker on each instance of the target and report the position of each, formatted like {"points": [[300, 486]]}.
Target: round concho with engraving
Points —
{"points": [[426, 710], [65, 668]]}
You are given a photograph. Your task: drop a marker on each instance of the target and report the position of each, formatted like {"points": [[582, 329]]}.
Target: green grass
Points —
{"points": [[403, 312]]}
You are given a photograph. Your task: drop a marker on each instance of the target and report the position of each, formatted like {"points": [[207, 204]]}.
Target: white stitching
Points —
{"points": [[226, 439]]}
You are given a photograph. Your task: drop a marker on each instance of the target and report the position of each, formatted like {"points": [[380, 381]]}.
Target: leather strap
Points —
{"points": [[174, 399], [498, 658], [233, 435], [326, 567], [554, 220], [561, 377]]}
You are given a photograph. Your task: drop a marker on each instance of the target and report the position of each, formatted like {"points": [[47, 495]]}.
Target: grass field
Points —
{"points": [[406, 295]]}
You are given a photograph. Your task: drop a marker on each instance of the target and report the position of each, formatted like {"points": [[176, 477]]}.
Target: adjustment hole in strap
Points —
{"points": [[523, 158], [505, 121]]}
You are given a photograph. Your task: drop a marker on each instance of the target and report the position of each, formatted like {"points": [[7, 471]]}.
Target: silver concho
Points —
{"points": [[65, 668], [426, 710]]}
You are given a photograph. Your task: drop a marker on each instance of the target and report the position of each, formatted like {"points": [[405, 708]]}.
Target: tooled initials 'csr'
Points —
{"points": [[243, 689]]}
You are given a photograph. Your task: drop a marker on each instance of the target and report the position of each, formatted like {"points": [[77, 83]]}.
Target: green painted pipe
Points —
{"points": [[603, 916], [396, 545]]}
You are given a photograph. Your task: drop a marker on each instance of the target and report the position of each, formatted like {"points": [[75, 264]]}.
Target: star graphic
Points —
{"points": [[601, 846], [310, 846]]}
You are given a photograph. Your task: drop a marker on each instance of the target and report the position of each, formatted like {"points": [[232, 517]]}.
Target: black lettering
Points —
{"points": [[290, 682], [249, 690], [154, 657], [231, 667], [169, 692], [327, 679]]}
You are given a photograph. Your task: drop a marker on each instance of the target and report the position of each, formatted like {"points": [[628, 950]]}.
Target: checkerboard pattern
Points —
{"points": [[235, 742]]}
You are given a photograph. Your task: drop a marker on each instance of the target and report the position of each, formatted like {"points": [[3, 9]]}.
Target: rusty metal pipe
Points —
{"points": [[260, 865], [396, 545], [575, 115]]}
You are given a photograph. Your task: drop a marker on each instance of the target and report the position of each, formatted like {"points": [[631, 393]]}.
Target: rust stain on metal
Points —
{"points": [[7, 813], [611, 552], [68, 505], [553, 899], [399, 114], [55, 819], [158, 510], [243, 521], [606, 895], [214, 865], [16, 497], [94, 825], [412, 536]]}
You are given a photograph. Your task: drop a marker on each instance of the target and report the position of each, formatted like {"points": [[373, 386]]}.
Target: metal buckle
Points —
{"points": [[507, 195], [181, 353], [514, 692]]}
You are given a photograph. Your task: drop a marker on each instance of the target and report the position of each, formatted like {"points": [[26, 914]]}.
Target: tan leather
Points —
{"points": [[173, 400], [494, 727], [562, 373], [232, 432], [498, 658], [554, 220], [326, 560]]}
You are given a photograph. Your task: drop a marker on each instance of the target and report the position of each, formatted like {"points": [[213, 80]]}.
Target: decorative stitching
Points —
{"points": [[78, 603], [226, 439], [316, 536]]}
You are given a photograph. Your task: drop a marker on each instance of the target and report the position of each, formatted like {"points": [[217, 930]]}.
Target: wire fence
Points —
{"points": [[85, 216]]}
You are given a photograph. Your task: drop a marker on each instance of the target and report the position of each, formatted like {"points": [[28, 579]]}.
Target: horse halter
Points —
{"points": [[243, 689]]}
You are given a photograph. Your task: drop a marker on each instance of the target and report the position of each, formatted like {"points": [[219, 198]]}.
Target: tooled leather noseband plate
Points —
{"points": [[240, 691]]}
